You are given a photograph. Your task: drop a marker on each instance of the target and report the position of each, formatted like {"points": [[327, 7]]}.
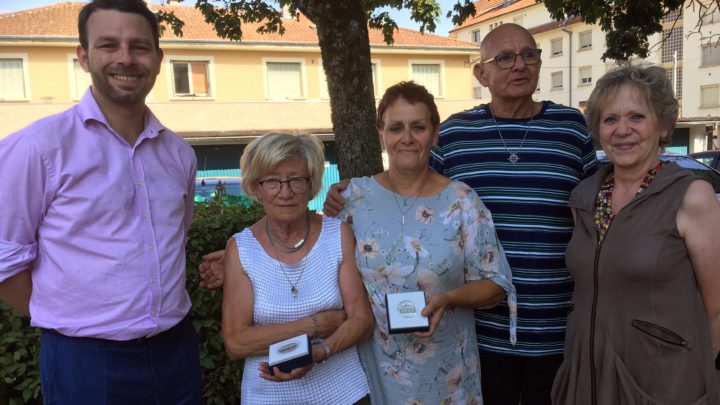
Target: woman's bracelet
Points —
{"points": [[315, 326], [325, 347]]}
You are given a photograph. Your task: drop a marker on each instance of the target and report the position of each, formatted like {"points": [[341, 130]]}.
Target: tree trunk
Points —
{"points": [[345, 47]]}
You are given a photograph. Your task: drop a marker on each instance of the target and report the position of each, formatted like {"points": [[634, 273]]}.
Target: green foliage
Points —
{"points": [[342, 32], [176, 24], [227, 19], [627, 23], [19, 355], [214, 222]]}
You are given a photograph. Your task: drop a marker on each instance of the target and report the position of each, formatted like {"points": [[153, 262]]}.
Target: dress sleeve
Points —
{"points": [[351, 195], [484, 255], [24, 198]]}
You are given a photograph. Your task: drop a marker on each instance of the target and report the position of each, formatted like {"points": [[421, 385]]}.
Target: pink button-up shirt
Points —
{"points": [[100, 224]]}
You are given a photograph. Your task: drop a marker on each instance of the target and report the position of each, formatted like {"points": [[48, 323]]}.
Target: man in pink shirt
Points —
{"points": [[96, 204]]}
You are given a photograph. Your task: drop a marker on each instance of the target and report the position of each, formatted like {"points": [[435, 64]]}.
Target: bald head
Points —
{"points": [[509, 83], [488, 43]]}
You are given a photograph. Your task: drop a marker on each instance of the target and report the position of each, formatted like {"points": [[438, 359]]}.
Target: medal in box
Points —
{"points": [[290, 354], [403, 312]]}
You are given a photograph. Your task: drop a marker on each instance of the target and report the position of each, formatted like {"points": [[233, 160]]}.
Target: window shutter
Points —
{"points": [[283, 80], [12, 81], [427, 75]]}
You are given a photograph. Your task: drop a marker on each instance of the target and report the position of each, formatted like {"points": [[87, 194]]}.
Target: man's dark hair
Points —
{"points": [[126, 6]]}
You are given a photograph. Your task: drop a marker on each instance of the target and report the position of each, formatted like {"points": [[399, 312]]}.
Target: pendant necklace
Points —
{"points": [[293, 286], [289, 249], [405, 206], [513, 158]]}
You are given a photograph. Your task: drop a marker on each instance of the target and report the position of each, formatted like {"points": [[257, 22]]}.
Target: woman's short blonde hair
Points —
{"points": [[653, 85], [263, 154]]}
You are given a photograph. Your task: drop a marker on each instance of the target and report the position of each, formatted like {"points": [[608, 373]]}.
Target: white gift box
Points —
{"points": [[403, 312], [290, 354]]}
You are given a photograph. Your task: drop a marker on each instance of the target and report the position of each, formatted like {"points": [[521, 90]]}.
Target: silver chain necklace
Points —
{"points": [[513, 158], [405, 199], [293, 286], [290, 249]]}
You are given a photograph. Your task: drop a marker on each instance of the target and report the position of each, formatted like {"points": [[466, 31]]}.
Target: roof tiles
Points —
{"points": [[487, 9], [60, 20]]}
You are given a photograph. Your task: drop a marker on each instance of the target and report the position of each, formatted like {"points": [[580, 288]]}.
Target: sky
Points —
{"points": [[401, 17]]}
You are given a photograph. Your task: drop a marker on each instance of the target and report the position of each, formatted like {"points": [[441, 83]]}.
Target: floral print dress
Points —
{"points": [[440, 243]]}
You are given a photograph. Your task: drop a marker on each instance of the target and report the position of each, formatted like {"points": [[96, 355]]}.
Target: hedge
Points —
{"points": [[214, 222]]}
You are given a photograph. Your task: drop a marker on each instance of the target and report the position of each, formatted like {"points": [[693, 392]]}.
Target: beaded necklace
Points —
{"points": [[603, 203]]}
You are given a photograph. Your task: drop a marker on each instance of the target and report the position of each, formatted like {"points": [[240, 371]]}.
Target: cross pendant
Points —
{"points": [[513, 158]]}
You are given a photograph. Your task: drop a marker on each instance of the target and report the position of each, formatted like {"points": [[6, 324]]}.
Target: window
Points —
{"points": [[710, 96], [191, 77], [284, 79], [705, 159], [672, 44], [586, 40], [375, 78], [556, 79], [428, 74], [556, 46], [672, 16], [13, 77], [585, 75], [477, 87], [324, 91], [374, 65], [495, 25], [710, 13], [79, 79], [518, 20], [476, 36], [711, 54], [678, 83], [324, 94]]}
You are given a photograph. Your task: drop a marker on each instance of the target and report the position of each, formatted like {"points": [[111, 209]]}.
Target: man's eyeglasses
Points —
{"points": [[296, 184], [506, 59]]}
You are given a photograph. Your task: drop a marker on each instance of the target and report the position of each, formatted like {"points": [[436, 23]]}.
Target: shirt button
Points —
{"points": [[139, 184], [151, 247], [144, 215]]}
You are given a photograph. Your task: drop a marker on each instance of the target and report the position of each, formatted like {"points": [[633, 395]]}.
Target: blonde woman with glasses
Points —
{"points": [[292, 273]]}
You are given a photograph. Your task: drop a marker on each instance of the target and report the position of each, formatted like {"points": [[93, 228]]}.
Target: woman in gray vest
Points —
{"points": [[645, 255]]}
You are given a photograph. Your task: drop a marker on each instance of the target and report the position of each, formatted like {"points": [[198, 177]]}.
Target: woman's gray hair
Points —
{"points": [[651, 82], [263, 154]]}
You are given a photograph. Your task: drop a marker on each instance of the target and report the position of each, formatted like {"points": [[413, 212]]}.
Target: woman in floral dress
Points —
{"points": [[419, 231]]}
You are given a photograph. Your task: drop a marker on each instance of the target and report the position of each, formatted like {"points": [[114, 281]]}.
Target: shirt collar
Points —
{"points": [[89, 110]]}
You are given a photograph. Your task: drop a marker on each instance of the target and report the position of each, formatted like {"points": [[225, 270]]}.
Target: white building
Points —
{"points": [[572, 62]]}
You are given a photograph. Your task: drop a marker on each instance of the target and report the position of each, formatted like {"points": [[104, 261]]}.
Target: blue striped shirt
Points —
{"points": [[528, 202]]}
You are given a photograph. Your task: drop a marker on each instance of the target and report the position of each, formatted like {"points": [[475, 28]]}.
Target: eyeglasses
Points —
{"points": [[296, 184], [506, 59]]}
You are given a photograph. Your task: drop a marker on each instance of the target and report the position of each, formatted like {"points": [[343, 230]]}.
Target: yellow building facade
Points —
{"points": [[215, 91]]}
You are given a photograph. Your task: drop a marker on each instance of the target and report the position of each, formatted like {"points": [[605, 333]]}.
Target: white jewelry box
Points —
{"points": [[290, 354], [403, 312]]}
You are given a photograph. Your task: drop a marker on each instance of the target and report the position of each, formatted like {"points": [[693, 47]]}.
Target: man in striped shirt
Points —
{"points": [[523, 158]]}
